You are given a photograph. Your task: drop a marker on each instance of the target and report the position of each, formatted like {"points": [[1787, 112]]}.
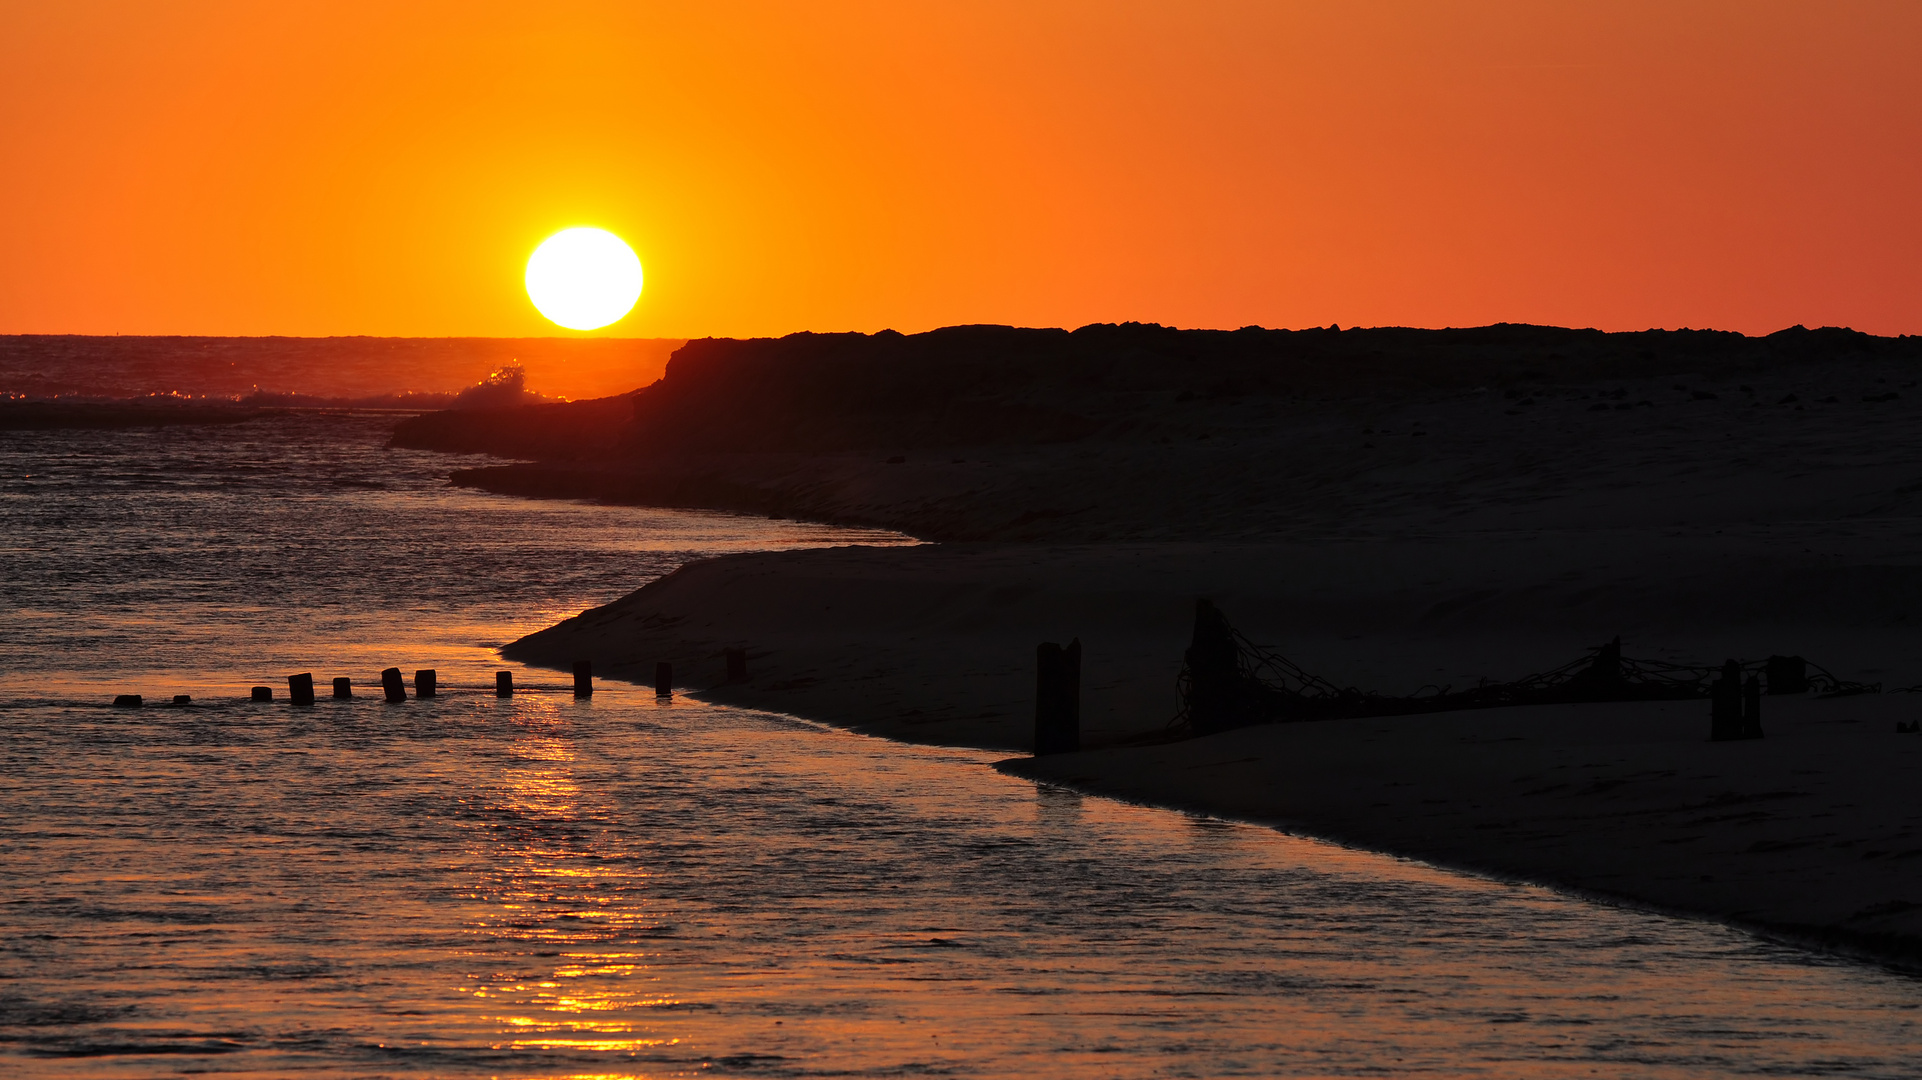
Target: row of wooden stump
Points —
{"points": [[300, 688]]}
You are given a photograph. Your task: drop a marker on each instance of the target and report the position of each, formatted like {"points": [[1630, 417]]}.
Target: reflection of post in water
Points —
{"points": [[1058, 809]]}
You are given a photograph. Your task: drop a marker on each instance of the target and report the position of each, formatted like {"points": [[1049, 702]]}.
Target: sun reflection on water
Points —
{"points": [[562, 891]]}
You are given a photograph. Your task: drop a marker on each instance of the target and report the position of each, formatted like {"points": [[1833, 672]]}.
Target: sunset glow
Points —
{"points": [[361, 168]]}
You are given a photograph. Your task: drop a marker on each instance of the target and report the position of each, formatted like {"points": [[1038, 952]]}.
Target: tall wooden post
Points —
{"points": [[425, 682], [1602, 681], [1057, 698], [300, 688], [1216, 697], [343, 687], [503, 684], [1752, 708], [663, 679], [1725, 704], [583, 678], [392, 684]]}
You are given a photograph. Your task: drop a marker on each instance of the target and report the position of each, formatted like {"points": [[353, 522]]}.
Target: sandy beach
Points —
{"points": [[1813, 831]]}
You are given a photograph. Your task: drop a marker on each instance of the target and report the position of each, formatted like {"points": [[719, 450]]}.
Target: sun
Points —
{"points": [[584, 278]]}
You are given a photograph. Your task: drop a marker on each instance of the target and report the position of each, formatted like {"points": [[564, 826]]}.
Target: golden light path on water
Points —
{"points": [[541, 886]]}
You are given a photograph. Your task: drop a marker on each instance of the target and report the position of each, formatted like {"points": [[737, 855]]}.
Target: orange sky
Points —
{"points": [[385, 168]]}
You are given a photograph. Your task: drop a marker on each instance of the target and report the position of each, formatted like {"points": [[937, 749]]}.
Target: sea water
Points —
{"points": [[627, 887]]}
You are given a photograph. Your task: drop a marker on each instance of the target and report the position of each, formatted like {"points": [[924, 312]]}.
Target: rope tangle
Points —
{"points": [[1228, 681]]}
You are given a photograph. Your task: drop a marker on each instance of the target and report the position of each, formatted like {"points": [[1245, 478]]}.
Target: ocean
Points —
{"points": [[626, 886]]}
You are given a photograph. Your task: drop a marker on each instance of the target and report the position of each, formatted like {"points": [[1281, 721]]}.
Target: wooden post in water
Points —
{"points": [[663, 679], [503, 684], [183, 699], [736, 665], [127, 701], [1057, 698], [1752, 708], [300, 688], [392, 684], [583, 678], [262, 693], [343, 687], [424, 683]]}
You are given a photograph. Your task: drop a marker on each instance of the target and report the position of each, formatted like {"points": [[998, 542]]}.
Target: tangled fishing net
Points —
{"points": [[1229, 682]]}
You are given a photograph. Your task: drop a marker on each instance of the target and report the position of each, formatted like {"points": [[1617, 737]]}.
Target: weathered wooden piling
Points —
{"points": [[424, 681], [503, 684], [1752, 708], [183, 699], [1725, 704], [1602, 680], [1217, 692], [127, 701], [1788, 675], [300, 688], [583, 678], [343, 687], [736, 665], [663, 679], [392, 684], [1057, 698], [263, 693]]}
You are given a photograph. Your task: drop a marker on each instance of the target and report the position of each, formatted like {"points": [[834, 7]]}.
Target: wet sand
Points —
{"points": [[1814, 831]]}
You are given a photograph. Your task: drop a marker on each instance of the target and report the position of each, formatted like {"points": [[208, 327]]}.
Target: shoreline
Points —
{"points": [[1644, 851], [1812, 833], [1904, 958]]}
